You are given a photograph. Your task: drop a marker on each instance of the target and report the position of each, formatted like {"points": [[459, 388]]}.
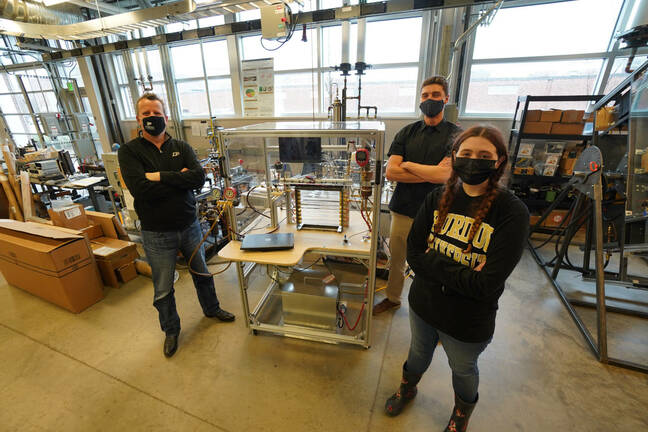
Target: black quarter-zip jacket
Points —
{"points": [[167, 205]]}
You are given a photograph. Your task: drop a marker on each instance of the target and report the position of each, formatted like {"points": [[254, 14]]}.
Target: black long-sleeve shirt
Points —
{"points": [[167, 205], [447, 293]]}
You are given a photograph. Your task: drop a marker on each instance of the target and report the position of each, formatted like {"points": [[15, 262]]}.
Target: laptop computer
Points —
{"points": [[268, 242]]}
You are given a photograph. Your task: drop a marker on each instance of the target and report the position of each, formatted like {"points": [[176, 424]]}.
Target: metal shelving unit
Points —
{"points": [[598, 214]]}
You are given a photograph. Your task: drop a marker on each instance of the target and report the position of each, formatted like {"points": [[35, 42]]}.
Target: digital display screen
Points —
{"points": [[300, 150]]}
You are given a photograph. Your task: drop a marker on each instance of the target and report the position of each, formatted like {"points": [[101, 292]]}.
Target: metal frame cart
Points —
{"points": [[340, 195]]}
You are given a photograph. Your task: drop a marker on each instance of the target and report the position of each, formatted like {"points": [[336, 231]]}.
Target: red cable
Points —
{"points": [[357, 321], [365, 219], [359, 315]]}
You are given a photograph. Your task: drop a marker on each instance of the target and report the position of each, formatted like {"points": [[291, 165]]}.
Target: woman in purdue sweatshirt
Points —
{"points": [[465, 241]]}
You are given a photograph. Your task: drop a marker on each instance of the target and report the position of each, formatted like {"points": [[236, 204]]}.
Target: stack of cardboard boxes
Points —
{"points": [[54, 265], [554, 122], [69, 262], [114, 254]]}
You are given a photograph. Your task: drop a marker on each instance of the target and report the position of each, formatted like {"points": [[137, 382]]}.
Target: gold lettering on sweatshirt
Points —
{"points": [[458, 227]]}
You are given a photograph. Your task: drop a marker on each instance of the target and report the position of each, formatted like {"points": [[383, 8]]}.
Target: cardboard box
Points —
{"points": [[92, 231], [533, 115], [526, 150], [127, 272], [552, 116], [523, 170], [537, 127], [54, 265], [568, 161], [552, 159], [567, 128], [572, 116], [73, 217], [111, 254], [107, 222], [549, 170], [605, 117]]}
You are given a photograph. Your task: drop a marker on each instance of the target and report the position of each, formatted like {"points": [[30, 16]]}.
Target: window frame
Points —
{"points": [[319, 70], [204, 77], [606, 57]]}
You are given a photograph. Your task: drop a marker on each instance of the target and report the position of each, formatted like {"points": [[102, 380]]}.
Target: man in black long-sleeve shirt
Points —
{"points": [[161, 174]]}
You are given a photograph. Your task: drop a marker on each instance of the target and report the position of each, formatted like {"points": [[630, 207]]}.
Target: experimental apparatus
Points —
{"points": [[321, 183]]}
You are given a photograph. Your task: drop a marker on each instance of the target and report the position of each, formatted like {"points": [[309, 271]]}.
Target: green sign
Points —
{"points": [[70, 86]]}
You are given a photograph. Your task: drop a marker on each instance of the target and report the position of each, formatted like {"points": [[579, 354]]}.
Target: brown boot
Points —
{"points": [[460, 415], [406, 392], [384, 306]]}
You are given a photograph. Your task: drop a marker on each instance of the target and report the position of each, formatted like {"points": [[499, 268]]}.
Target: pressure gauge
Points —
{"points": [[230, 194], [362, 157], [216, 194]]}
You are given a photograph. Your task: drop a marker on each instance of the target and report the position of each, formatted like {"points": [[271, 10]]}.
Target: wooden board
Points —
{"points": [[306, 240]]}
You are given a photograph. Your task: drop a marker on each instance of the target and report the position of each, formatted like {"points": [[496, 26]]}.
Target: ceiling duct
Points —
{"points": [[114, 24], [34, 13]]}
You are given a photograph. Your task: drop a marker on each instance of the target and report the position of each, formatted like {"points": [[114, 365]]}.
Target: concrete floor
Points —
{"points": [[104, 370]]}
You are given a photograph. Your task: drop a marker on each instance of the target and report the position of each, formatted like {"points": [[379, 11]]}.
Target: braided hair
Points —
{"points": [[452, 185]]}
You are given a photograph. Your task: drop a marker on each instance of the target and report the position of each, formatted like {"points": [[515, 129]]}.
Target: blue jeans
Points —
{"points": [[462, 356], [161, 249]]}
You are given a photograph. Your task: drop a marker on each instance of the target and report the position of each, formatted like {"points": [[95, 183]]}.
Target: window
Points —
{"points": [[494, 88], [211, 21], [391, 83], [294, 82], [192, 83], [14, 106], [181, 26], [547, 49], [140, 61], [618, 73]]}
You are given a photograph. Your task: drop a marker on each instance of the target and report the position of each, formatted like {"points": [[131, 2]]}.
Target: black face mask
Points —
{"points": [[431, 107], [154, 125], [474, 171]]}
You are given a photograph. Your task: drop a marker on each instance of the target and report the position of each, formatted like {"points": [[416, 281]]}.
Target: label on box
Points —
{"points": [[552, 159], [549, 171], [72, 212], [526, 150]]}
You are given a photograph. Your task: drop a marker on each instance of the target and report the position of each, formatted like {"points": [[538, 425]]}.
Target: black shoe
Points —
{"points": [[406, 392], [171, 344], [221, 315]]}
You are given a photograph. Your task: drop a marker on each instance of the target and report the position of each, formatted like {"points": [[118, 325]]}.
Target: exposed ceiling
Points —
{"points": [[80, 19]]}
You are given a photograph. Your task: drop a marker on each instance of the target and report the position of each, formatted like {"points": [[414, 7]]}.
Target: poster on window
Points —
{"points": [[258, 87]]}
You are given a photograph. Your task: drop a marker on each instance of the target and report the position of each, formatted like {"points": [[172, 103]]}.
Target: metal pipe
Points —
{"points": [[34, 13], [470, 29], [600, 276]]}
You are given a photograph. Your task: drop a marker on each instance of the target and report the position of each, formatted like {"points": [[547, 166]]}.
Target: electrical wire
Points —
{"points": [[291, 29], [249, 204], [359, 314], [193, 254], [358, 233]]}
